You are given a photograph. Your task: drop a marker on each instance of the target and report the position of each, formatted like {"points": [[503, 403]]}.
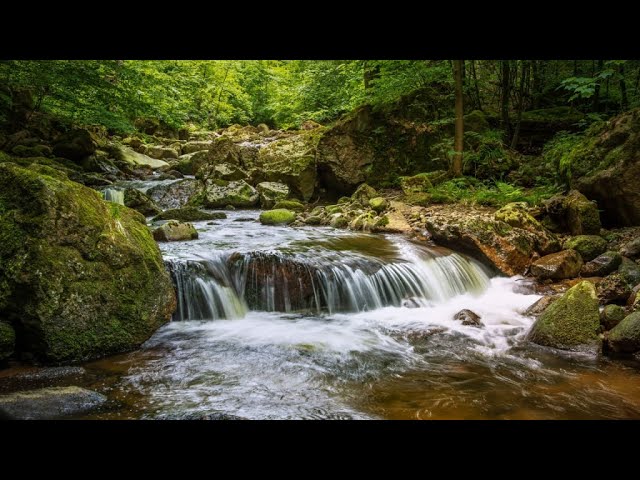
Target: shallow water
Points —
{"points": [[352, 359]]}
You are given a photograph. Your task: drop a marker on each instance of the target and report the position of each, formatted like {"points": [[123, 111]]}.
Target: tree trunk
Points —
{"points": [[504, 98], [596, 93], [535, 84], [475, 84], [523, 81], [624, 100], [458, 144]]}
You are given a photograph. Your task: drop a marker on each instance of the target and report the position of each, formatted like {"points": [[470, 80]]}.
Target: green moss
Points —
{"points": [[289, 205], [331, 209], [383, 221], [571, 322], [379, 204], [313, 220], [629, 271], [417, 184], [611, 316], [588, 246], [279, 216], [516, 215], [188, 214], [339, 221], [343, 200], [625, 337]]}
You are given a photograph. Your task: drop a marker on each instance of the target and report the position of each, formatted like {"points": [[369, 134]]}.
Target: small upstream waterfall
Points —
{"points": [[113, 195], [228, 286]]}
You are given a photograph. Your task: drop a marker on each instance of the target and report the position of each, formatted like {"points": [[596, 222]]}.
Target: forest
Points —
{"points": [[335, 239]]}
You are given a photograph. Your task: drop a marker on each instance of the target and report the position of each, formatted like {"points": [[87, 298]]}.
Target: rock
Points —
{"points": [[625, 337], [413, 302], [588, 246], [289, 205], [196, 146], [564, 264], [141, 202], [313, 220], [540, 306], [174, 195], [468, 318], [133, 142], [271, 192], [80, 278], [378, 204], [417, 184], [189, 214], [631, 249], [162, 153], [35, 151], [7, 340], [611, 316], [279, 216], [629, 271], [50, 403], [363, 194], [613, 288], [338, 220], [634, 297], [516, 215], [602, 265], [582, 217], [290, 160], [263, 128], [222, 171], [174, 231], [571, 322], [217, 194], [75, 145], [129, 156]]}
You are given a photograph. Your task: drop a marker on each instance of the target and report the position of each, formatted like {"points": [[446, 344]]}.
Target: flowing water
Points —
{"points": [[291, 323]]}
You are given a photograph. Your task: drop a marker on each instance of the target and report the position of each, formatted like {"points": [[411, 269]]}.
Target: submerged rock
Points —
{"points": [[79, 276], [571, 322], [173, 231], [50, 403], [189, 214], [467, 317], [279, 216], [625, 337], [565, 264]]}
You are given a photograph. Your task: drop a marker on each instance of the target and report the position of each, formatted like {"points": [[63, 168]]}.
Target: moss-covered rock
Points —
{"points": [[629, 271], [141, 202], [177, 194], [541, 305], [602, 265], [631, 249], [313, 220], [34, 151], [196, 146], [279, 216], [7, 340], [476, 121], [189, 214], [130, 157], [237, 194], [174, 231], [222, 171], [611, 316], [79, 277], [379, 204], [625, 337], [338, 220], [583, 217], [75, 145], [289, 205], [588, 246], [516, 215], [331, 209], [419, 183], [162, 153], [271, 193], [571, 322], [363, 194], [565, 264]]}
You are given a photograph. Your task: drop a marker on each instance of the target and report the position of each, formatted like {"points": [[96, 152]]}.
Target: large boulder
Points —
{"points": [[279, 216], [416, 184], [161, 152], [130, 157], [290, 160], [79, 277], [189, 214], [174, 231], [75, 145], [176, 194], [588, 246], [363, 194], [219, 194], [564, 264], [571, 322], [582, 215], [196, 146], [222, 171], [631, 249], [625, 337], [602, 265], [611, 316], [629, 271], [613, 288], [271, 193], [141, 202]]}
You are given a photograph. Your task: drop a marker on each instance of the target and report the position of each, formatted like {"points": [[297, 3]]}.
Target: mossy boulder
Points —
{"points": [[516, 215], [162, 153], [629, 271], [631, 249], [271, 193], [176, 194], [611, 316], [79, 277], [237, 194], [571, 322], [279, 216], [313, 220], [582, 215], [613, 288], [338, 220], [34, 151], [588, 246], [174, 231], [75, 145], [222, 171], [130, 157], [196, 146], [419, 183], [602, 265], [625, 337], [290, 160], [189, 214], [476, 121], [7, 340], [564, 264], [378, 204], [289, 205], [363, 194], [141, 202]]}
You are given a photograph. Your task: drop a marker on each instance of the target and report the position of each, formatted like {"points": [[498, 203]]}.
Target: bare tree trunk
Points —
{"points": [[458, 144], [523, 80], [504, 98], [475, 84]]}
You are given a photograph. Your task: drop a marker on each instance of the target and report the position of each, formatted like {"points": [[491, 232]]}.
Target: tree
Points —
{"points": [[458, 144]]}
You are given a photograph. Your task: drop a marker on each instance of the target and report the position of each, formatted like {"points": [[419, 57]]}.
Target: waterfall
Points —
{"points": [[113, 195], [227, 286]]}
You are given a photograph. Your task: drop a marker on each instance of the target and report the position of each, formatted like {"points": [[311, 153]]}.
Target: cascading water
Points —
{"points": [[113, 195]]}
